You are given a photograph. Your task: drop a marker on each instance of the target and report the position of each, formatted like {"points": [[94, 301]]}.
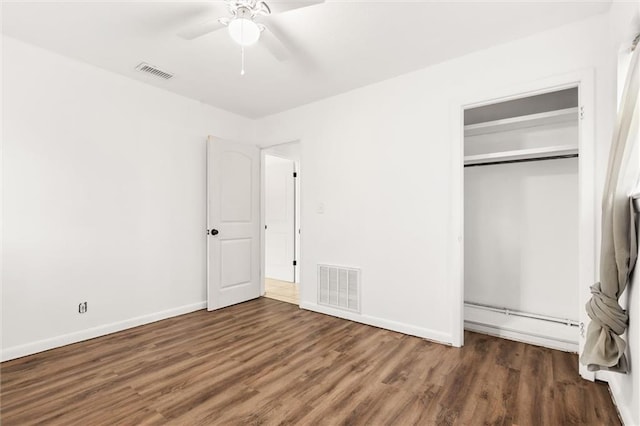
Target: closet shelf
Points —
{"points": [[521, 122], [522, 154]]}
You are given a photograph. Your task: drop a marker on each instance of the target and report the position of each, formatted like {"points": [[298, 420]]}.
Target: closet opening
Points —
{"points": [[522, 224]]}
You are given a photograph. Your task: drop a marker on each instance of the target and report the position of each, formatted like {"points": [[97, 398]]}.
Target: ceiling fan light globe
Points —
{"points": [[244, 31]]}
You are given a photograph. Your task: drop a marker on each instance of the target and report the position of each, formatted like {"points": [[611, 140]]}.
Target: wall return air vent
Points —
{"points": [[153, 70], [339, 287]]}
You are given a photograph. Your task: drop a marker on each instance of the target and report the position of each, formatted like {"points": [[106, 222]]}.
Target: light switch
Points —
{"points": [[320, 208]]}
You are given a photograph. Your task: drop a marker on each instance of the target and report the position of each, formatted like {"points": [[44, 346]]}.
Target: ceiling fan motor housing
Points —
{"points": [[248, 8]]}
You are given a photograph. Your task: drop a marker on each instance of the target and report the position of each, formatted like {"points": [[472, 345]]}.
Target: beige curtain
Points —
{"points": [[604, 348]]}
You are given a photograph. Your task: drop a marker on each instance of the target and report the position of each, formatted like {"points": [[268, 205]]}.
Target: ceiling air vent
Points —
{"points": [[150, 69]]}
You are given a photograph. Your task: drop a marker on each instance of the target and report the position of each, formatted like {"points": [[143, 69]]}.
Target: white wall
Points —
{"points": [[103, 199], [379, 160], [519, 217], [626, 387], [289, 150]]}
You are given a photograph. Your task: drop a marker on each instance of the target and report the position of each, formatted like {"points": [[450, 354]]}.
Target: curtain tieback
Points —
{"points": [[606, 311]]}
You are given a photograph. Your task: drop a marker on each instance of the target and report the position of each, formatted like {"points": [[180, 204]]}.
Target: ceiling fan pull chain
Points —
{"points": [[242, 46], [242, 69]]}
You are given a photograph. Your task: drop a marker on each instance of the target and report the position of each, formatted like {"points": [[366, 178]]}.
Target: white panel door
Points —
{"points": [[279, 195], [233, 223]]}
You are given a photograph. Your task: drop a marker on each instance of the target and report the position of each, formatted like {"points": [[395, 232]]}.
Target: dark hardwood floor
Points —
{"points": [[267, 362]]}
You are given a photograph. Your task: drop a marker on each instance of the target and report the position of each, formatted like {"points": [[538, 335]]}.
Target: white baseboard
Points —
{"points": [[90, 333], [425, 333], [616, 394]]}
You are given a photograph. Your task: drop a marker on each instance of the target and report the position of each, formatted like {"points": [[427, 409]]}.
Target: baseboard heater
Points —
{"points": [[514, 312]]}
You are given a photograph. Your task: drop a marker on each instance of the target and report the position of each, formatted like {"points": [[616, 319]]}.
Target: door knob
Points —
{"points": [[213, 232]]}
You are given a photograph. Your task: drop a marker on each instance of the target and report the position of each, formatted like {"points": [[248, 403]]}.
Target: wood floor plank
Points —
{"points": [[283, 291], [268, 362]]}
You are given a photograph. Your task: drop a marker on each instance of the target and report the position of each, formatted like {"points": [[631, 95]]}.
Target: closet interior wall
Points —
{"points": [[521, 219]]}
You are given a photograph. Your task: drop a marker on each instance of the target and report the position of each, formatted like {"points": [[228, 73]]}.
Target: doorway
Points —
{"points": [[521, 219], [281, 217], [580, 113]]}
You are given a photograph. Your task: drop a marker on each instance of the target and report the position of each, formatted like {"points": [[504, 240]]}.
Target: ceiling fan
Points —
{"points": [[244, 26]]}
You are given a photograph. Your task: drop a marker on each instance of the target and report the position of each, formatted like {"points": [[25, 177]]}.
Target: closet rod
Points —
{"points": [[522, 160], [517, 313]]}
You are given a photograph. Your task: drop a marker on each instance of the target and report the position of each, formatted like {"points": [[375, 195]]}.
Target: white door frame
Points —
{"points": [[584, 81], [298, 272]]}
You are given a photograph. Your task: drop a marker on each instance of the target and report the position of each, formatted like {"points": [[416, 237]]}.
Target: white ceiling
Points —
{"points": [[338, 45]]}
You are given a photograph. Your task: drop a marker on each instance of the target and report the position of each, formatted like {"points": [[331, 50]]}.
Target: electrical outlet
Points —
{"points": [[82, 307]]}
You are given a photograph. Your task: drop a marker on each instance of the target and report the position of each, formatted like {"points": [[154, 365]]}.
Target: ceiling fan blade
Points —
{"points": [[279, 6], [199, 30], [263, 9], [274, 45]]}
